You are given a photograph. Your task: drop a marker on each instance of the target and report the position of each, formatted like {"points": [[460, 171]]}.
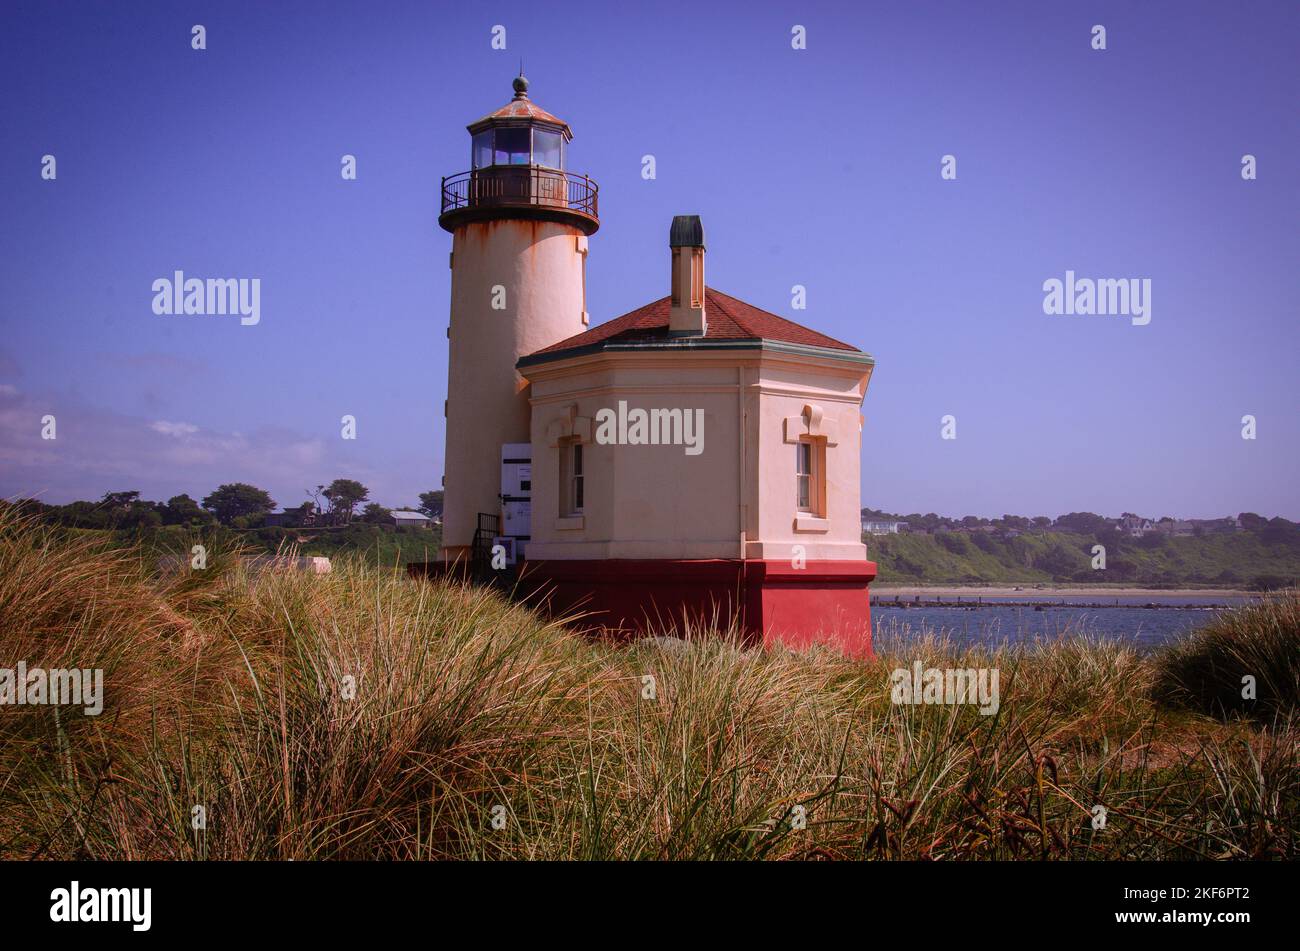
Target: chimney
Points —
{"points": [[686, 241]]}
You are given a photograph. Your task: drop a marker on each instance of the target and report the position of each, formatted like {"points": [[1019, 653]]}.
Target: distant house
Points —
{"points": [[883, 526], [1136, 526], [1216, 526], [289, 518], [403, 519], [1182, 527]]}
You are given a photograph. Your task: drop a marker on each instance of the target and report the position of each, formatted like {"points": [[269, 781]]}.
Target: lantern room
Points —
{"points": [[517, 169], [519, 134]]}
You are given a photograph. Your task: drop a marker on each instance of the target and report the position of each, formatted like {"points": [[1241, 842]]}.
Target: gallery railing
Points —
{"points": [[507, 186]]}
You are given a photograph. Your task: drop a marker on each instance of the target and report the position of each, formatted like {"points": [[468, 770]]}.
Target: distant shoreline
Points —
{"points": [[1053, 591]]}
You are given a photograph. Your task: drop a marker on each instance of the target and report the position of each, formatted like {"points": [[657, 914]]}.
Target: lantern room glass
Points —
{"points": [[517, 145], [511, 146], [546, 148], [482, 149]]}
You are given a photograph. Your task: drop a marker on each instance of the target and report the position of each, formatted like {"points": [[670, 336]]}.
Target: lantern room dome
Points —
{"points": [[521, 108]]}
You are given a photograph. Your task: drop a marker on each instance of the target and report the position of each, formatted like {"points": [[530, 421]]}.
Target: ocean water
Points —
{"points": [[1001, 620]]}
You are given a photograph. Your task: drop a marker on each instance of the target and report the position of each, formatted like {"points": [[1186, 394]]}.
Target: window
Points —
{"points": [[804, 476], [482, 149], [517, 145], [546, 148], [571, 478], [512, 146], [677, 277], [809, 477], [577, 477]]}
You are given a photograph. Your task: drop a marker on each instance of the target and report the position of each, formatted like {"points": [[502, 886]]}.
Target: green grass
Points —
{"points": [[380, 544], [1245, 661], [229, 689], [1210, 561]]}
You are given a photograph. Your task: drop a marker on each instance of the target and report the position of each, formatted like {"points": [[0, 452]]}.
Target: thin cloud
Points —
{"points": [[178, 430], [96, 450]]}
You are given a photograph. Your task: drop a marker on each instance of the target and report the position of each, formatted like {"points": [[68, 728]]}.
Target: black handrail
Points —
{"points": [[488, 528]]}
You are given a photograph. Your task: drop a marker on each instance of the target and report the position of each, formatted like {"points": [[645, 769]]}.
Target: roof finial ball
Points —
{"points": [[521, 85]]}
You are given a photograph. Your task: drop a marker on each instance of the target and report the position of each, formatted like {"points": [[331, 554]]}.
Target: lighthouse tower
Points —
{"points": [[519, 223]]}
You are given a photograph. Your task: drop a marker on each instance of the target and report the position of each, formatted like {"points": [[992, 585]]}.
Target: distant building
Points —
{"points": [[583, 443], [883, 526], [403, 519], [1191, 526], [1136, 526], [1216, 526], [290, 518]]}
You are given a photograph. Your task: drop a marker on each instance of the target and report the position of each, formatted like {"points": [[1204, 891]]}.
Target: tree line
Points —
{"points": [[233, 504]]}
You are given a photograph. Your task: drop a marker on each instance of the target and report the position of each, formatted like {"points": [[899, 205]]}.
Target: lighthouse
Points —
{"points": [[694, 461], [519, 222]]}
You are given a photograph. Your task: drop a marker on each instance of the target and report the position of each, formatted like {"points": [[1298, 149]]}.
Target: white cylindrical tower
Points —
{"points": [[519, 223]]}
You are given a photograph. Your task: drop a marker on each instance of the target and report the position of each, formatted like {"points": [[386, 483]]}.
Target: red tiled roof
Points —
{"points": [[726, 317]]}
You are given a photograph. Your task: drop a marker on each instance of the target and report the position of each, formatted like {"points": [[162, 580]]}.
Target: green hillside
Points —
{"points": [[1237, 560]]}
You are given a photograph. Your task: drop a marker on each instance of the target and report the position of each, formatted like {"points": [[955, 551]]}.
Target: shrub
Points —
{"points": [[955, 543], [1205, 672]]}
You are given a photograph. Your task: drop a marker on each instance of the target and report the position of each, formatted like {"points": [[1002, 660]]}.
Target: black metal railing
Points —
{"points": [[519, 185], [480, 549]]}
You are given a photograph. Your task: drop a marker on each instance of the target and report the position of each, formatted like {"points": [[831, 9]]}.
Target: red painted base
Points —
{"points": [[770, 601]]}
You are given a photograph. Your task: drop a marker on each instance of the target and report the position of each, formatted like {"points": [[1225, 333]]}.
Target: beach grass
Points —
{"points": [[362, 714]]}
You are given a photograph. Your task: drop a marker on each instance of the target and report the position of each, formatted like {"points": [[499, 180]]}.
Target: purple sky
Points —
{"points": [[817, 167]]}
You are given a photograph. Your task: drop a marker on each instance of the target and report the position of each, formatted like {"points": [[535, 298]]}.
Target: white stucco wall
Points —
{"points": [[540, 266], [737, 497]]}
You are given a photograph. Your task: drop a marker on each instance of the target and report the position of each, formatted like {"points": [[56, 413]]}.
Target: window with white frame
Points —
{"points": [[803, 474], [571, 478], [809, 461]]}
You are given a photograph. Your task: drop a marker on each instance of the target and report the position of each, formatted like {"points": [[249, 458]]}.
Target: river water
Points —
{"points": [[1146, 622]]}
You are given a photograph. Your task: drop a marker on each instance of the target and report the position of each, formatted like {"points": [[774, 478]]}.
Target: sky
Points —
{"points": [[819, 167]]}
